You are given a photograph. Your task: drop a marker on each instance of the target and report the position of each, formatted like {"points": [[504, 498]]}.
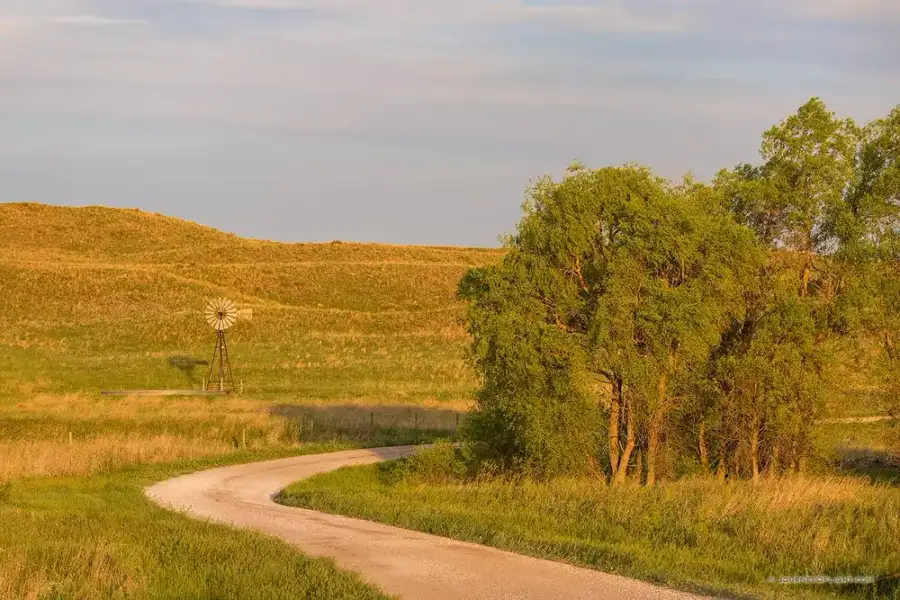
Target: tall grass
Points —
{"points": [[77, 434], [45, 458], [695, 534]]}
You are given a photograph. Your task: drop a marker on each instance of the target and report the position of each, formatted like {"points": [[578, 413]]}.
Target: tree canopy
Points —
{"points": [[636, 325]]}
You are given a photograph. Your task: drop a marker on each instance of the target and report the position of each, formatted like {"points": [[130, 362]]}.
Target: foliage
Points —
{"points": [[703, 320], [440, 463], [613, 277]]}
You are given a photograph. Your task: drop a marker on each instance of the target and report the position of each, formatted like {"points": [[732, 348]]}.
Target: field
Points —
{"points": [[350, 345], [99, 537]]}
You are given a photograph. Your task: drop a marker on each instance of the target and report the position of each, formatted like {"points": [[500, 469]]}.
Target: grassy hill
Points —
{"points": [[97, 298]]}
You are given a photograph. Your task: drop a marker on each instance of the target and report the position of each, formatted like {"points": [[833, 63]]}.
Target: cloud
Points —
{"points": [[609, 15], [95, 21], [10, 26], [845, 10], [413, 104]]}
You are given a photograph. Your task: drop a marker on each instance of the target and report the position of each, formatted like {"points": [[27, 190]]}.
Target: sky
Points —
{"points": [[406, 121]]}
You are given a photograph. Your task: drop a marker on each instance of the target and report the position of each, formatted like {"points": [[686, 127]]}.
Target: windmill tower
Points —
{"points": [[221, 314]]}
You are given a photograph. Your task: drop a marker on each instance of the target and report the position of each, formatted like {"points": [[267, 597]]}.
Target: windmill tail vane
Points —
{"points": [[221, 314]]}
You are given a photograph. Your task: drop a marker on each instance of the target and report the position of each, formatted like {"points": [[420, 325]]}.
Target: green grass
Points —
{"points": [[100, 537], [693, 534]]}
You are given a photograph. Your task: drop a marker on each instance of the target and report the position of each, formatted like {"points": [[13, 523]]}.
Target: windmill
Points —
{"points": [[221, 314]]}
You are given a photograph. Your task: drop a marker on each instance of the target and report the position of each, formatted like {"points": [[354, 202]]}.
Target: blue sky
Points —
{"points": [[406, 121]]}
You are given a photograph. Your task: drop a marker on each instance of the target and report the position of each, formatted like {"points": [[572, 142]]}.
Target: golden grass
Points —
{"points": [[18, 582], [89, 407], [85, 572], [49, 458], [113, 433], [98, 298], [117, 235], [790, 493]]}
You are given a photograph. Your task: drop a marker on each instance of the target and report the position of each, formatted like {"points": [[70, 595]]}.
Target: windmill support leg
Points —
{"points": [[212, 365], [222, 365], [227, 376], [221, 343]]}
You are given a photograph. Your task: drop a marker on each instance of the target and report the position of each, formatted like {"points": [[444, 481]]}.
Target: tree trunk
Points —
{"points": [[639, 471], [772, 467], [794, 457], [720, 468], [754, 449], [807, 267], [701, 446], [630, 437], [652, 451], [656, 421], [804, 281], [613, 428]]}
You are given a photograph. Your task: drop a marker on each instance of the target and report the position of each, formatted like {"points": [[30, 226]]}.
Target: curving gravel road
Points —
{"points": [[401, 562]]}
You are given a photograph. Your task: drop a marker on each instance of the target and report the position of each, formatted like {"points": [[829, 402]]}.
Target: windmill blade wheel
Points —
{"points": [[221, 313]]}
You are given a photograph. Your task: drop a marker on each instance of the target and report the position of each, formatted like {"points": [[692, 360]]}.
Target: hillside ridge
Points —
{"points": [[36, 226]]}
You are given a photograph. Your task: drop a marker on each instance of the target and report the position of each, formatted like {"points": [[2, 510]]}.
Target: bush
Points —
{"points": [[439, 464]]}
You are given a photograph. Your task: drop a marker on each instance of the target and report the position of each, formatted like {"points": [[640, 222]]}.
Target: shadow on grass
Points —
{"points": [[379, 425], [878, 465]]}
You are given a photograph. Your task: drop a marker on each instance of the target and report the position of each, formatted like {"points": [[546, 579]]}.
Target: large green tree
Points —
{"points": [[700, 319], [809, 203], [620, 282]]}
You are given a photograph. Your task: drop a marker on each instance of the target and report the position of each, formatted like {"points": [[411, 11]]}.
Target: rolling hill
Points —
{"points": [[98, 298]]}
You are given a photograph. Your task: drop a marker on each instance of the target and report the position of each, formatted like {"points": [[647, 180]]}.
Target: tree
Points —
{"points": [[688, 316], [768, 368], [869, 229], [633, 280], [809, 167]]}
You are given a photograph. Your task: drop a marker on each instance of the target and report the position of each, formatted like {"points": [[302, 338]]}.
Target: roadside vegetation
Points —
{"points": [[662, 367], [694, 533], [690, 328]]}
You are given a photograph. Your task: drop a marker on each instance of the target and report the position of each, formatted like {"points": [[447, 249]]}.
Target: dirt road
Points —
{"points": [[409, 564]]}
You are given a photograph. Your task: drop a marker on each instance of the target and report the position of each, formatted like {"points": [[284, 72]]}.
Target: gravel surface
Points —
{"points": [[404, 563]]}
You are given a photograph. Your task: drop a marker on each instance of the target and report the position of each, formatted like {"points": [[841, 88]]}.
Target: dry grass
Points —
{"points": [[116, 235], [50, 458], [92, 570], [78, 434], [88, 407]]}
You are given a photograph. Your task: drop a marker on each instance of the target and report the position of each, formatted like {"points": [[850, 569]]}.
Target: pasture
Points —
{"points": [[350, 345]]}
